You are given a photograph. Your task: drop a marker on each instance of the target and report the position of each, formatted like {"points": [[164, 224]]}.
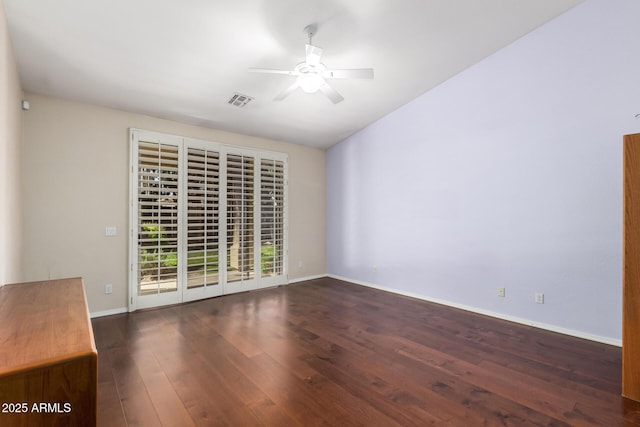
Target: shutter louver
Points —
{"points": [[272, 217], [157, 218], [203, 200], [240, 193]]}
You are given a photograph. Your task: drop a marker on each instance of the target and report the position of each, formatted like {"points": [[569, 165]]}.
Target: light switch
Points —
{"points": [[110, 231]]}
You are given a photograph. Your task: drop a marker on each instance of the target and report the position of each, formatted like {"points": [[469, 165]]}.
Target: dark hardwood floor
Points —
{"points": [[326, 352]]}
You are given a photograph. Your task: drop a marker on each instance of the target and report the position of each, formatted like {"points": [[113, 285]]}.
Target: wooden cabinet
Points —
{"points": [[48, 357], [631, 270]]}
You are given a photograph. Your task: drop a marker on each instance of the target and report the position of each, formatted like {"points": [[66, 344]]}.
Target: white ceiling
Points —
{"points": [[183, 59]]}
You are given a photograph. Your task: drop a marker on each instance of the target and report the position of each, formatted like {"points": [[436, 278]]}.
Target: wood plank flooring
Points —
{"points": [[331, 353]]}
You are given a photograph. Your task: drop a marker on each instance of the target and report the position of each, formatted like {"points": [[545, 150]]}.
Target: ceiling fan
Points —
{"points": [[311, 73]]}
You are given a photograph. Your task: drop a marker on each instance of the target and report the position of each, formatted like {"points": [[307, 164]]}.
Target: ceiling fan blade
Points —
{"points": [[356, 73], [313, 54], [272, 71], [331, 93], [288, 91]]}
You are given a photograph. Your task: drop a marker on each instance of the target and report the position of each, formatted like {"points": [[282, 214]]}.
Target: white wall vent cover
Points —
{"points": [[239, 100]]}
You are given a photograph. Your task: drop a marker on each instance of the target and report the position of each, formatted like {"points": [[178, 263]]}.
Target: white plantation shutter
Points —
{"points": [[240, 217], [206, 219], [272, 220], [157, 210], [203, 217]]}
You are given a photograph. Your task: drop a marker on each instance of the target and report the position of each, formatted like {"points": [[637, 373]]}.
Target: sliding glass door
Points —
{"points": [[206, 219]]}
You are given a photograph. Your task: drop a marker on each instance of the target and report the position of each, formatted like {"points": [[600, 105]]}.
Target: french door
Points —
{"points": [[206, 219]]}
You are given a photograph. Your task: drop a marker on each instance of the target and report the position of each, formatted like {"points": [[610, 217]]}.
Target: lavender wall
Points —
{"points": [[507, 175]]}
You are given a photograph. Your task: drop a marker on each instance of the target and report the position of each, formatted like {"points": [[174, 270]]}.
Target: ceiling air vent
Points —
{"points": [[239, 100]]}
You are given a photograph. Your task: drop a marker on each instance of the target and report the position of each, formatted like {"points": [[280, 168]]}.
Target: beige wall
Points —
{"points": [[75, 180], [10, 203]]}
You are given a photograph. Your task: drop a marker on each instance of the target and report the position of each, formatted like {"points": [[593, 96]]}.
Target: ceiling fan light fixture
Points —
{"points": [[310, 82]]}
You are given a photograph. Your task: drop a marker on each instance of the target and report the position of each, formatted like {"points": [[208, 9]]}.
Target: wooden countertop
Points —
{"points": [[43, 323]]}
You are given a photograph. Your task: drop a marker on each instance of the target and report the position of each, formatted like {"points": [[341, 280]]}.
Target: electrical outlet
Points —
{"points": [[108, 288], [539, 298], [375, 268], [501, 292], [110, 231]]}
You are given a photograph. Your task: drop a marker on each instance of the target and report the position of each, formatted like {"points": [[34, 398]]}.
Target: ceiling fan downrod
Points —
{"points": [[310, 31]]}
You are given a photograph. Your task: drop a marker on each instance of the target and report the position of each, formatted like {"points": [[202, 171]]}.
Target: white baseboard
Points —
{"points": [[109, 312], [304, 279], [520, 320]]}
